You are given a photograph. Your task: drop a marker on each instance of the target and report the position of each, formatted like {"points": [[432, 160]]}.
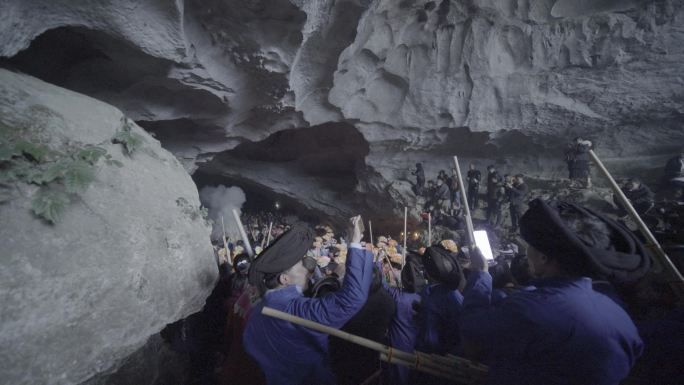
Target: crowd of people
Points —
{"points": [[563, 307], [504, 196]]}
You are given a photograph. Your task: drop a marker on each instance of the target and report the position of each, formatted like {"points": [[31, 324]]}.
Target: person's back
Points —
{"points": [[493, 182], [563, 331], [352, 363], [555, 335], [442, 192], [438, 320]]}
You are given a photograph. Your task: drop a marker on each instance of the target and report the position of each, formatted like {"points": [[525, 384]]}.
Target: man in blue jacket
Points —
{"points": [[441, 303], [561, 332], [402, 331], [291, 354]]}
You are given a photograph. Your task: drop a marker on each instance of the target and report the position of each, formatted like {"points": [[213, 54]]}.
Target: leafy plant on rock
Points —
{"points": [[193, 212], [130, 140], [59, 175]]}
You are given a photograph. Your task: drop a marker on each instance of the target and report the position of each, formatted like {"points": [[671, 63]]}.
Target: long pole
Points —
{"points": [[464, 200], [455, 367], [267, 238], [429, 242], [403, 250], [243, 234], [225, 243], [677, 281], [370, 229]]}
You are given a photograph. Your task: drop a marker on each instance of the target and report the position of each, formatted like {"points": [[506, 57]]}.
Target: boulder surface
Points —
{"points": [[129, 254]]}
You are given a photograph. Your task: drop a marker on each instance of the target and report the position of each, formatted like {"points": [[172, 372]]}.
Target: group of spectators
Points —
{"points": [[508, 193], [443, 197]]}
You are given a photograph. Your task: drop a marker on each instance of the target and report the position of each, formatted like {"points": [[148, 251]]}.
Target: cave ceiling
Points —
{"points": [[372, 86]]}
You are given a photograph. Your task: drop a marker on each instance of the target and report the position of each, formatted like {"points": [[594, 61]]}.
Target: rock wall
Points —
{"points": [[129, 254], [508, 82]]}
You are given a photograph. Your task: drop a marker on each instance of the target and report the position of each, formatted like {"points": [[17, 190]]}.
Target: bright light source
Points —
{"points": [[482, 242], [277, 205]]}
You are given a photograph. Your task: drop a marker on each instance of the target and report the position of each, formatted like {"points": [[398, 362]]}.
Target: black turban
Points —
{"points": [[282, 254], [442, 265], [413, 273], [624, 259]]}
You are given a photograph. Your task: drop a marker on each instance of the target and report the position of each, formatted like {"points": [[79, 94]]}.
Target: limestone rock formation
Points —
{"points": [[129, 254], [495, 81], [529, 74]]}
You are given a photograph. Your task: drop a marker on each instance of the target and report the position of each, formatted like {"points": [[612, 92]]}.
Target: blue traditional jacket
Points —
{"points": [[291, 354], [402, 331], [438, 329], [563, 332]]}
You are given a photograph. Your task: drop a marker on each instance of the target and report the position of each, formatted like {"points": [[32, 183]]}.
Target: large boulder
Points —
{"points": [[129, 253]]}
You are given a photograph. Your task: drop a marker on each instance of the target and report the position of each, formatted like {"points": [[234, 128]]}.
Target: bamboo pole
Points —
{"points": [[397, 280], [268, 236], [370, 229], [243, 234], [403, 250], [464, 200], [398, 361], [225, 243], [676, 279], [429, 242], [337, 333], [449, 366]]}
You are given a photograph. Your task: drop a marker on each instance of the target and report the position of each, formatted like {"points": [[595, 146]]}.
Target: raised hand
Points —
{"points": [[355, 232]]}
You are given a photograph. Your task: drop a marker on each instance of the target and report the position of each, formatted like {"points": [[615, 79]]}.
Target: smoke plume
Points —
{"points": [[221, 201]]}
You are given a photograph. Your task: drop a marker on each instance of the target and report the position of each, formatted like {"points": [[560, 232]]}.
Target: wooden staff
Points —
{"points": [[419, 361], [403, 251], [676, 279], [393, 274], [429, 242], [243, 234], [370, 230], [464, 200], [225, 243], [398, 361], [267, 238]]}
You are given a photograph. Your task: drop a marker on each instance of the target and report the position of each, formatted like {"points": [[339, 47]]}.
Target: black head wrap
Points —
{"points": [[442, 265], [623, 259], [282, 254], [413, 273]]}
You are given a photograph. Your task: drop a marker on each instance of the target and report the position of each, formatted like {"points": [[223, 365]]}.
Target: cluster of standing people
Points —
{"points": [[556, 313], [554, 329], [443, 198]]}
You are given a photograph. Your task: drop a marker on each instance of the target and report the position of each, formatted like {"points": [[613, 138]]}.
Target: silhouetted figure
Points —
{"points": [[474, 178], [517, 192], [493, 184], [577, 158]]}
